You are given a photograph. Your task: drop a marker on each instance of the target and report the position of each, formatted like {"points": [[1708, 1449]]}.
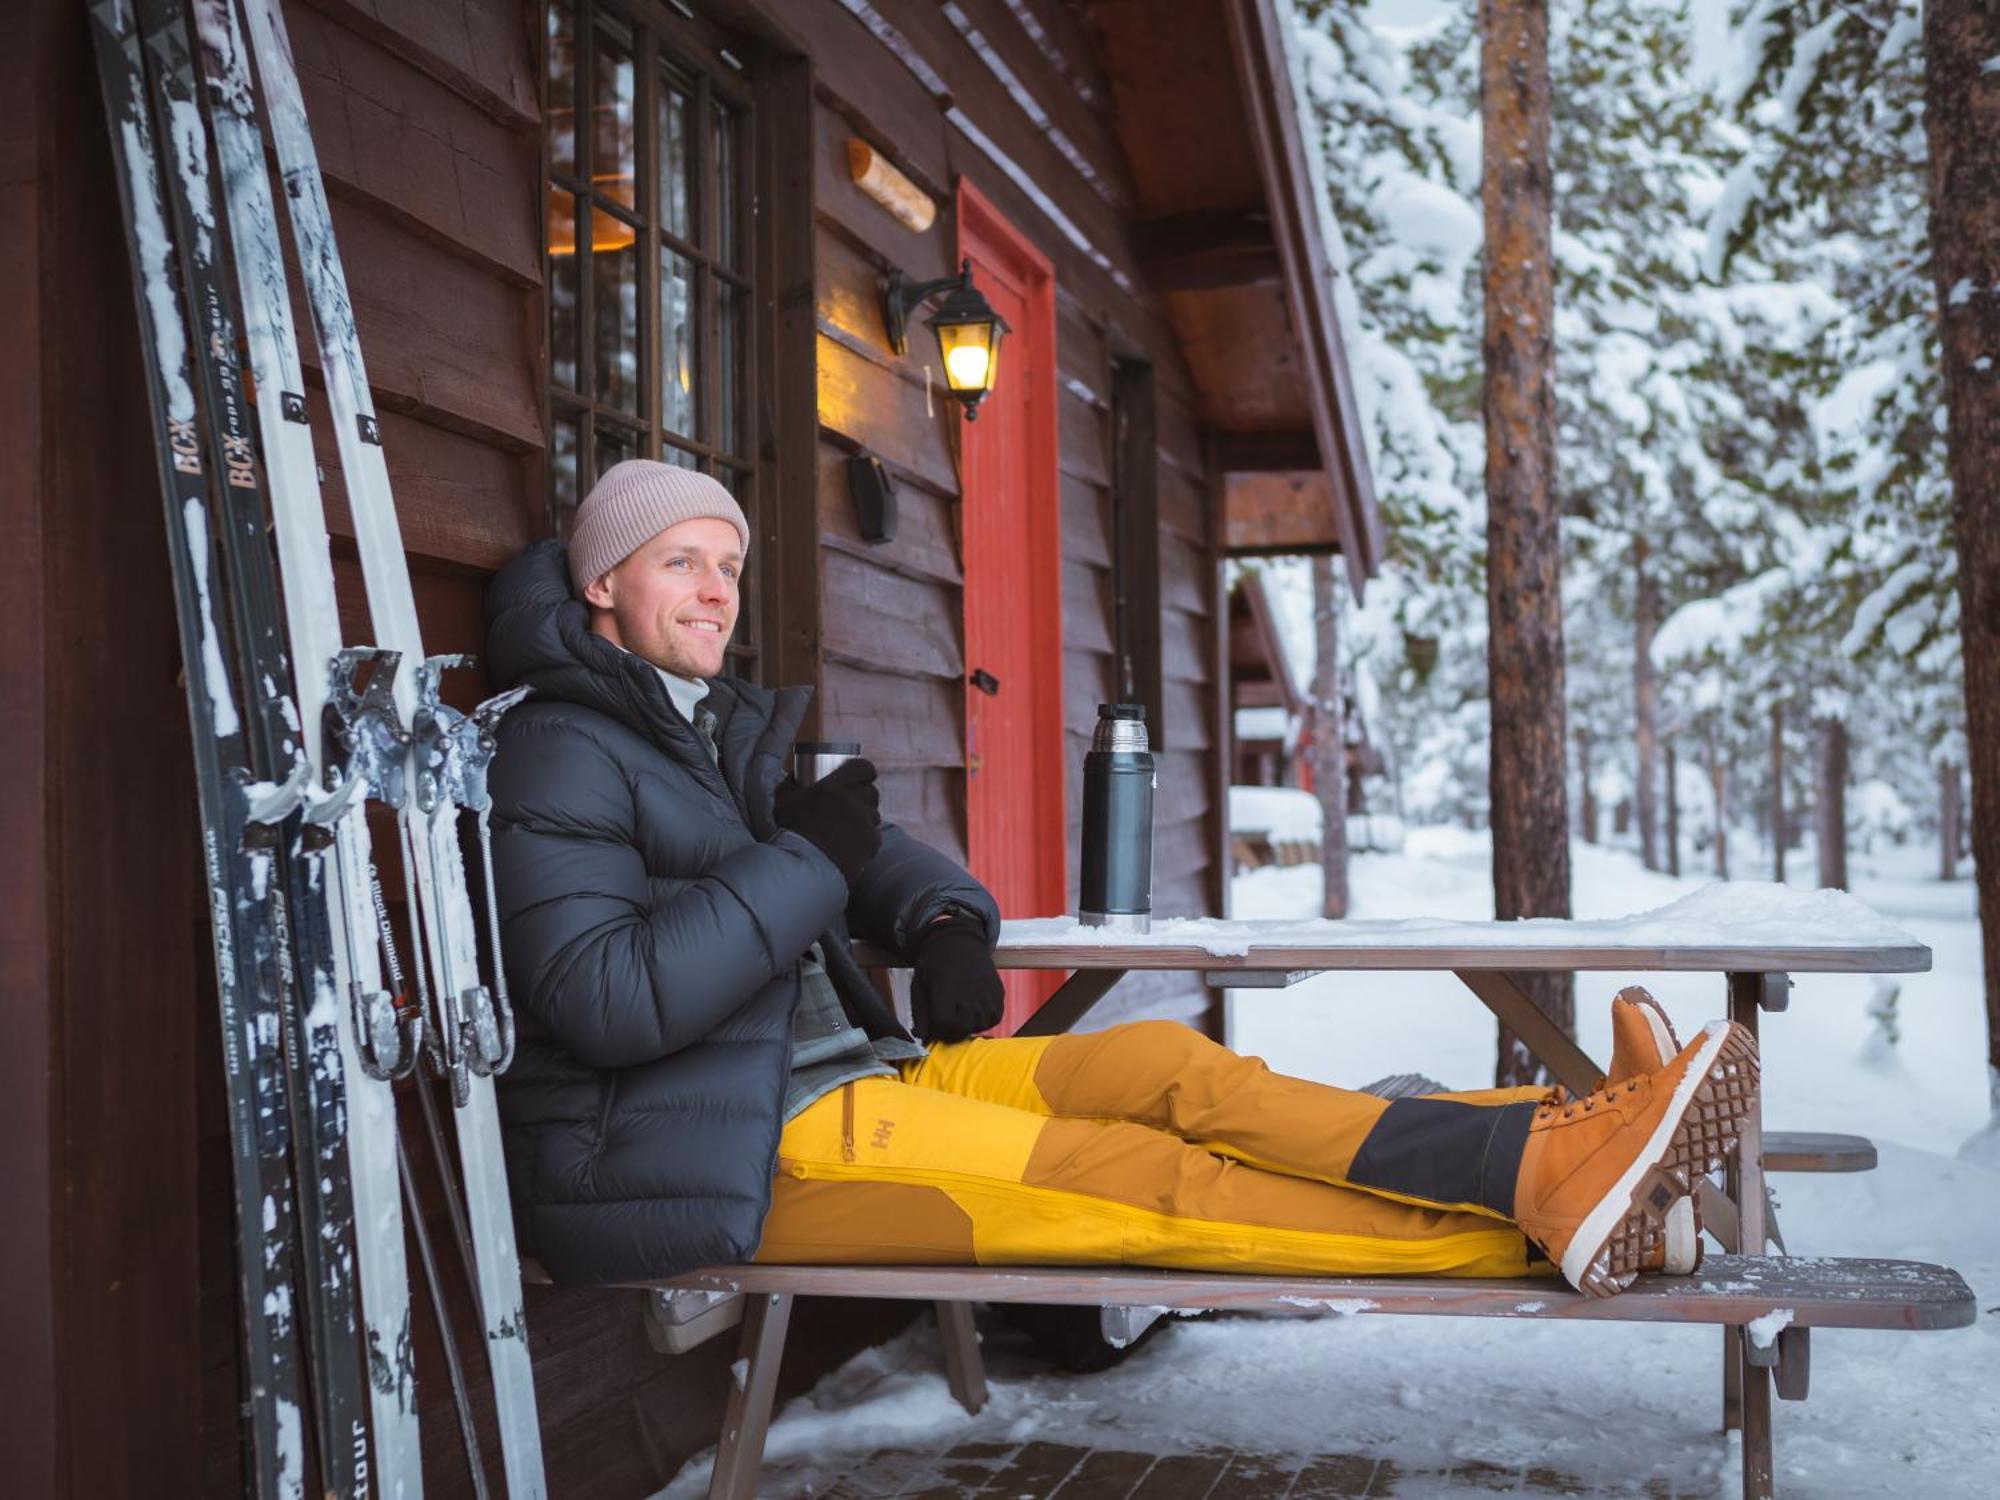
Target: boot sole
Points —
{"points": [[1694, 1136], [1682, 1227]]}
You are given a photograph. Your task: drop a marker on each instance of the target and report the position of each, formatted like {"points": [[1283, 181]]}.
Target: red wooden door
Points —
{"points": [[1015, 826]]}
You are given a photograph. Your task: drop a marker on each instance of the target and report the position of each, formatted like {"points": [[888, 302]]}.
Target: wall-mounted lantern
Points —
{"points": [[968, 330]]}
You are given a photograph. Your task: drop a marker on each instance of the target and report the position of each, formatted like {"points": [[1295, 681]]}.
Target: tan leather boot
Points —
{"points": [[1599, 1173], [1642, 1039]]}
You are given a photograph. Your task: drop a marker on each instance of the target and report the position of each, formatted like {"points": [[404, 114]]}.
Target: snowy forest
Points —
{"points": [[1760, 603]]}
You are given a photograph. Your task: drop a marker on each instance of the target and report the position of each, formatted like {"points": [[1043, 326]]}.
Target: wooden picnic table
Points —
{"points": [[1754, 935]]}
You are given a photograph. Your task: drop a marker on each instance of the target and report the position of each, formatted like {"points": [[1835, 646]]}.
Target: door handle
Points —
{"points": [[985, 681]]}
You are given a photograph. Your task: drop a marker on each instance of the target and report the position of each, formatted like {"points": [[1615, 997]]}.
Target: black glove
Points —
{"points": [[955, 990], [840, 814]]}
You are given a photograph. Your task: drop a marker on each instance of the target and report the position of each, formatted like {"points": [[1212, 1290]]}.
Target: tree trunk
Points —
{"points": [[1778, 792], [1947, 821], [1530, 762], [1329, 739], [1646, 700], [1586, 793], [1962, 120], [1673, 812], [1718, 775], [1830, 817]]}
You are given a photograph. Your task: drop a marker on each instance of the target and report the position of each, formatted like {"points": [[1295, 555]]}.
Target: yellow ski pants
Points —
{"points": [[1146, 1144]]}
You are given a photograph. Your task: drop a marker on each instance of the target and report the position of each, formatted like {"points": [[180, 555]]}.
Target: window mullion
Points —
{"points": [[706, 232], [646, 105], [586, 275]]}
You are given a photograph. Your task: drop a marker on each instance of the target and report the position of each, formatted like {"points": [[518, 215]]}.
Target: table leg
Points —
{"points": [[1071, 1003], [1746, 1177], [1552, 1047], [1732, 1379]]}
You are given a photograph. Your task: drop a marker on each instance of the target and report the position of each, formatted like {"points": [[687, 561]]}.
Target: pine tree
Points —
{"points": [[1523, 535], [1962, 118]]}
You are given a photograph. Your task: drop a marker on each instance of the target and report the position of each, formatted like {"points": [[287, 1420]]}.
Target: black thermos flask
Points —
{"points": [[1118, 780]]}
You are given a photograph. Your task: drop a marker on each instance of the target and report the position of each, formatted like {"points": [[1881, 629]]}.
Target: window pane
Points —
{"points": [[728, 368], [562, 471], [611, 143], [725, 186], [563, 284], [680, 458], [614, 272], [562, 91], [614, 446], [679, 357], [677, 158]]}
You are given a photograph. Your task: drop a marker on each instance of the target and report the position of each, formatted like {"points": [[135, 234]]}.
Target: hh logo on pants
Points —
{"points": [[880, 1140]]}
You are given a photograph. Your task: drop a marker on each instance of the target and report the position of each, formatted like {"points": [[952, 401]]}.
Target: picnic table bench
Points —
{"points": [[1754, 936]]}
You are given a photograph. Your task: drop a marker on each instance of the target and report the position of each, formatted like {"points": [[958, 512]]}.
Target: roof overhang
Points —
{"points": [[1229, 234]]}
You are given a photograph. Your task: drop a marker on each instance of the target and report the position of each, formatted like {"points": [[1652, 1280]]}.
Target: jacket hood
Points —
{"points": [[538, 635]]}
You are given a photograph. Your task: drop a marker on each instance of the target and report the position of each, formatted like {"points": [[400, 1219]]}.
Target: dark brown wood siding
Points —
{"points": [[119, 1294], [972, 93]]}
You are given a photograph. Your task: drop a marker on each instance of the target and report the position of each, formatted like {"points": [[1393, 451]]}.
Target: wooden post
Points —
{"points": [[1778, 792], [1718, 779], [1962, 122], [1586, 793], [1529, 763], [1329, 739], [1646, 701], [1745, 1176], [1673, 811], [1947, 821], [1830, 816]]}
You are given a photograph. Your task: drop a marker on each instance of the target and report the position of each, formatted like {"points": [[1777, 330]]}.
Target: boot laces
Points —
{"points": [[1561, 1099]]}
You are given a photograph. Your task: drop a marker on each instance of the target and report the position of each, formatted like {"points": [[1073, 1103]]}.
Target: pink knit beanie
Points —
{"points": [[633, 502]]}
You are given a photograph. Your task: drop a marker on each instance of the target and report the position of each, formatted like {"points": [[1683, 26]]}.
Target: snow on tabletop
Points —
{"points": [[1743, 913]]}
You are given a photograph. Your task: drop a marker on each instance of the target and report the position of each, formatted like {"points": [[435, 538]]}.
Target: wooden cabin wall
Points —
{"points": [[892, 614], [98, 946], [428, 124], [121, 1326]]}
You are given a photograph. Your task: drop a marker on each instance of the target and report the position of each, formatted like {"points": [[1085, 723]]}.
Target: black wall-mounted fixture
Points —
{"points": [[968, 330], [874, 497]]}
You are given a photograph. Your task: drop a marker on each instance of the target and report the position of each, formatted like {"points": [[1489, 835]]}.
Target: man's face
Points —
{"points": [[673, 601]]}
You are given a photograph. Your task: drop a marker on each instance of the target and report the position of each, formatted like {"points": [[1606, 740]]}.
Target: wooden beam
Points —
{"points": [[790, 645], [1199, 252], [1731, 1290], [30, 1308], [1267, 95], [1272, 640], [1266, 452], [1135, 527], [1280, 512]]}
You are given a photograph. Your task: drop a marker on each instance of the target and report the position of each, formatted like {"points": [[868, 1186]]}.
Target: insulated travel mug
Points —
{"points": [[1118, 780], [812, 759]]}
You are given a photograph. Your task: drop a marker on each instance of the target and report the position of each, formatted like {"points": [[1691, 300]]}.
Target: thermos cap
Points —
{"points": [[1121, 711]]}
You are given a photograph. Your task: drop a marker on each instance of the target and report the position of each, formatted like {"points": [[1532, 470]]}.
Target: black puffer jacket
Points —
{"points": [[653, 918]]}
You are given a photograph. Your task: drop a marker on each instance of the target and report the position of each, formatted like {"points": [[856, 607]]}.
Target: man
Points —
{"points": [[705, 1075]]}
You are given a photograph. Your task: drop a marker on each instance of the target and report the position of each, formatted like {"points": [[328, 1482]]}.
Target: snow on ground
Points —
{"points": [[1891, 1415]]}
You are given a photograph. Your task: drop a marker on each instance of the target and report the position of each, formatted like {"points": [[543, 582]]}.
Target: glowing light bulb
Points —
{"points": [[965, 367]]}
